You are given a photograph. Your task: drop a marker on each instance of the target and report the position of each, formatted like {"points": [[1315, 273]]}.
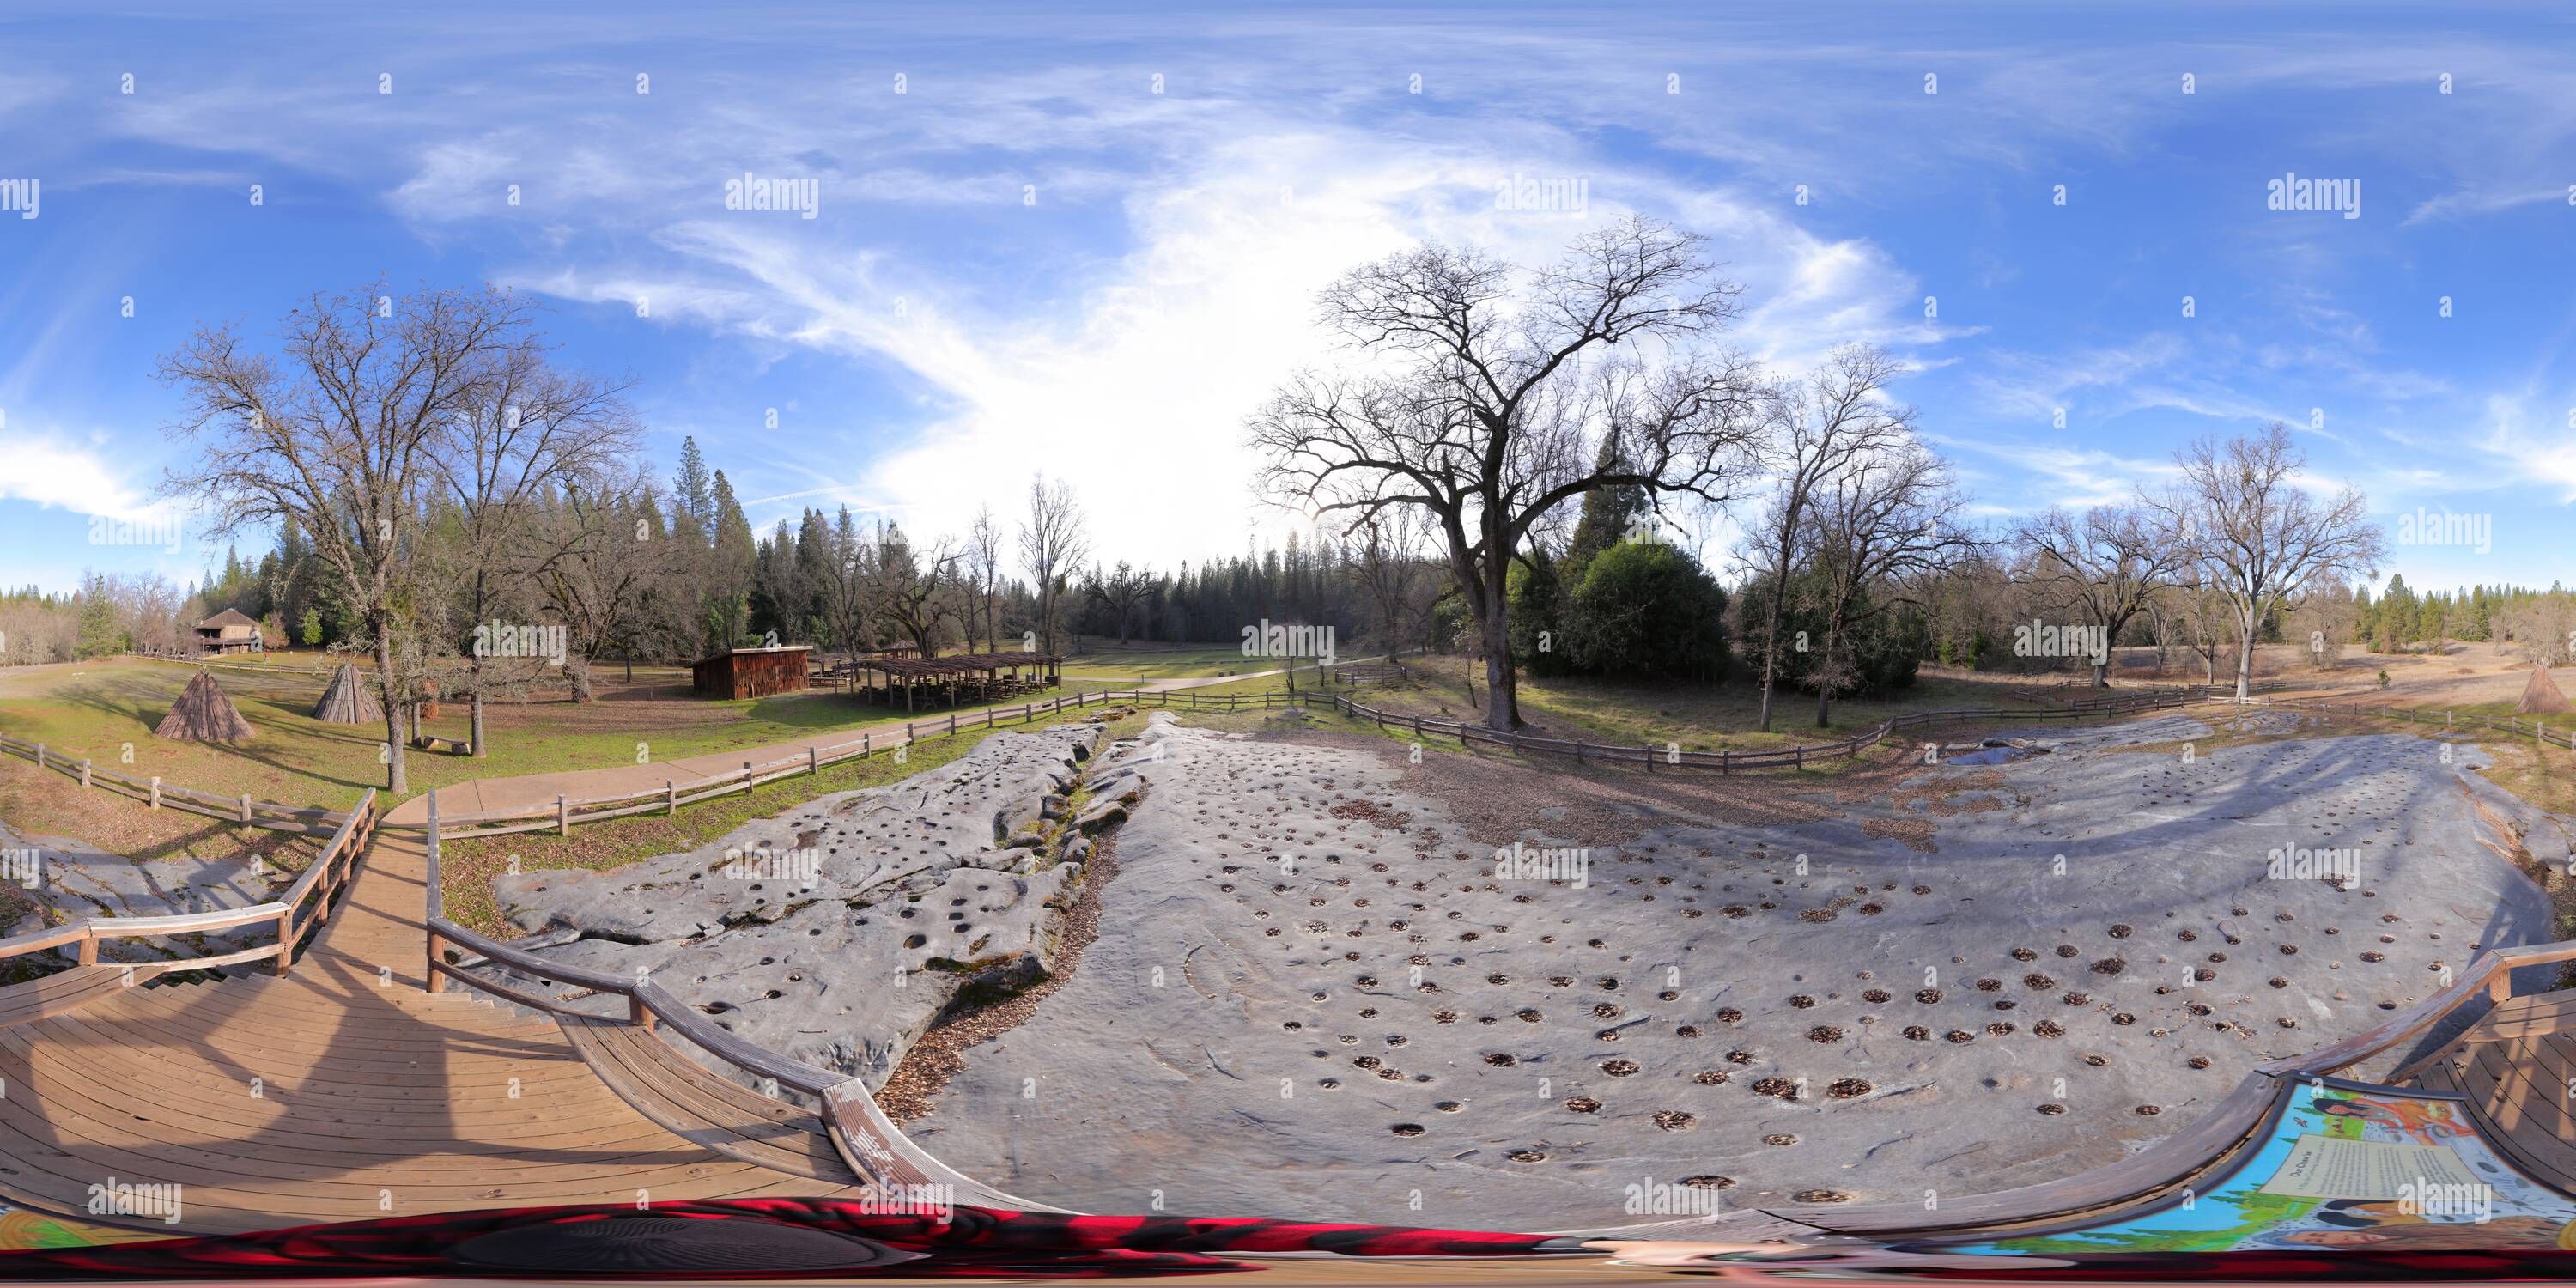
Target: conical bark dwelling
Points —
{"points": [[348, 700], [204, 714], [2542, 695]]}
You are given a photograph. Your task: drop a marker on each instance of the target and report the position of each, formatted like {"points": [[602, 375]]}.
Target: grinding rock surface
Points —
{"points": [[836, 970], [75, 879], [1312, 997]]}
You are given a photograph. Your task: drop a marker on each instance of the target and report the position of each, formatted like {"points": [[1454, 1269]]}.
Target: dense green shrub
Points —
{"points": [[1643, 609]]}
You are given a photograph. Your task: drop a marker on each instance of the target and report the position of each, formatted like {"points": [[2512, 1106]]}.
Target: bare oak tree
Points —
{"points": [[912, 589], [1483, 401], [528, 431], [1388, 557], [1053, 543], [608, 556], [984, 559], [1885, 517], [338, 434], [2258, 536], [2107, 566], [1825, 425]]}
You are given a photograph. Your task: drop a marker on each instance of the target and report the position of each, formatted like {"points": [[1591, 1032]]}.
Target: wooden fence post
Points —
{"points": [[286, 939], [84, 775], [156, 791], [747, 776], [813, 760], [40, 755], [245, 807], [670, 796], [563, 814]]}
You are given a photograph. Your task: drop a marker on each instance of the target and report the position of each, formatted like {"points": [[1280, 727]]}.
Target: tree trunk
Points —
{"points": [[2244, 664], [395, 781], [1771, 635], [474, 710], [580, 670], [2102, 674], [1825, 679], [1502, 689], [630, 666]]}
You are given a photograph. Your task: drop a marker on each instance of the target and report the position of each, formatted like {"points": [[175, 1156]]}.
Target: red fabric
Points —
{"points": [[968, 1242]]}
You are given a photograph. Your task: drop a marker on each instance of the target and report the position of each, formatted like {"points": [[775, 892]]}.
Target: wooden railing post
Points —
{"points": [[156, 791], [245, 807], [84, 775], [286, 940], [670, 796], [40, 755], [88, 952], [563, 814], [813, 760], [435, 948]]}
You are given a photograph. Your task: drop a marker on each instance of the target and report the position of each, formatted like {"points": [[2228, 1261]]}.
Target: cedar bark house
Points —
{"points": [[753, 672]]}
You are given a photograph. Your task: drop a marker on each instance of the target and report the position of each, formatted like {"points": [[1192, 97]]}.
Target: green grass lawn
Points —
{"points": [[106, 711], [1699, 716], [1099, 657]]}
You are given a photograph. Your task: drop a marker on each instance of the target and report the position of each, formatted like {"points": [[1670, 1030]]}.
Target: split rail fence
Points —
{"points": [[244, 809]]}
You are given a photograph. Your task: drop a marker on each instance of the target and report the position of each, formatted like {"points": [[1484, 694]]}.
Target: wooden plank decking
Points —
{"points": [[2515, 1066], [345, 1091]]}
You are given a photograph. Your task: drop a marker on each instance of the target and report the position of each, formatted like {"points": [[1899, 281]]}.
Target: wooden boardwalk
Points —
{"points": [[340, 1091], [2516, 1066]]}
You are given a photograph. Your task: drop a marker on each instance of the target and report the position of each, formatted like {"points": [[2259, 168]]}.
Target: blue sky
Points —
{"points": [[1030, 258]]}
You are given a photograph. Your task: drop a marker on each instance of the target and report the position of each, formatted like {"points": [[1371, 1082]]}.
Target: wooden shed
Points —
{"points": [[229, 631], [753, 672]]}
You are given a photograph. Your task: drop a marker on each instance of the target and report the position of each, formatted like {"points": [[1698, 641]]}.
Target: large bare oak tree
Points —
{"points": [[1481, 396], [338, 433], [2107, 566], [2258, 536]]}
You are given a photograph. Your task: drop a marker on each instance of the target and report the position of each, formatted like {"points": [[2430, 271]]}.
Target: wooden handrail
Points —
{"points": [[327, 871], [860, 1131]]}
